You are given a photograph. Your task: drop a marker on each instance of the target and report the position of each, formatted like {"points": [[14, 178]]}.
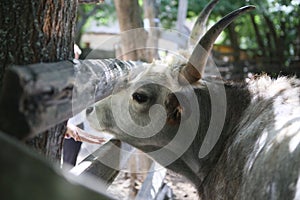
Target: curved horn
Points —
{"points": [[194, 69], [200, 24]]}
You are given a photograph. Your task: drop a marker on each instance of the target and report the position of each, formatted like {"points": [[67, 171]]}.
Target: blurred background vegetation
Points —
{"points": [[267, 39]]}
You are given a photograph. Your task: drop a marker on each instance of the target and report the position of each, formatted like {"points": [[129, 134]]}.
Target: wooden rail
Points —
{"points": [[100, 163], [36, 97], [153, 182], [27, 175]]}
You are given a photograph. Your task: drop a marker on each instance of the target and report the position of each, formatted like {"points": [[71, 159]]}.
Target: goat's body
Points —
{"points": [[258, 153]]}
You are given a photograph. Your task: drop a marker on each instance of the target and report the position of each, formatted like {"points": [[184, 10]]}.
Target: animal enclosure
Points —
{"points": [[232, 140]]}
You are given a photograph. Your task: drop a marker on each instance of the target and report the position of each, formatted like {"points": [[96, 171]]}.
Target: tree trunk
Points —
{"points": [[133, 36], [151, 14], [270, 50], [38, 31], [133, 47], [181, 17], [277, 48], [281, 43], [233, 37], [258, 36]]}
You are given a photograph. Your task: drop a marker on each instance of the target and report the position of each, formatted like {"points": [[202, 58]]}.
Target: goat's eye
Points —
{"points": [[89, 110], [140, 98]]}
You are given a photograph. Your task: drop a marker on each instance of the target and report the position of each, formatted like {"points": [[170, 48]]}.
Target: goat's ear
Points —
{"points": [[175, 111]]}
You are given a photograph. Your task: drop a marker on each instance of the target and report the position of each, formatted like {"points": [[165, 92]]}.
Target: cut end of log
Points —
{"points": [[12, 121]]}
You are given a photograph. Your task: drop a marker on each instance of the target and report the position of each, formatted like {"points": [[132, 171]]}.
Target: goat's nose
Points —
{"points": [[89, 110]]}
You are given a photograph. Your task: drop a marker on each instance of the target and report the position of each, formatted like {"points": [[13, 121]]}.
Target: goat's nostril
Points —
{"points": [[89, 110]]}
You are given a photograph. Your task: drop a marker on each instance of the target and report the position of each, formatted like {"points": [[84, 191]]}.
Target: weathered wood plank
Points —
{"points": [[165, 193], [36, 97], [153, 182], [106, 162], [102, 163], [27, 175]]}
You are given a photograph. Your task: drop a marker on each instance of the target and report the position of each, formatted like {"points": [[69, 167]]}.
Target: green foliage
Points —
{"points": [[168, 12], [104, 14], [278, 23], [222, 8], [284, 14], [278, 34]]}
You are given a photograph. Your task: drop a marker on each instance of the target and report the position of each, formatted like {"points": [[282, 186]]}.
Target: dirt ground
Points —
{"points": [[182, 189], [120, 189]]}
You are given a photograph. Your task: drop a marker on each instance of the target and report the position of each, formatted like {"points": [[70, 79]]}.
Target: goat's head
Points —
{"points": [[149, 110]]}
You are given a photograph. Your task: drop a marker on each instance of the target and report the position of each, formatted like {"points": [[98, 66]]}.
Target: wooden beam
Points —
{"points": [[153, 182], [38, 96], [27, 175], [165, 193], [102, 163]]}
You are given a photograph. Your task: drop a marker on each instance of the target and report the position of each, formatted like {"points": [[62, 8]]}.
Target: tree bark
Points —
{"points": [[38, 31], [133, 36]]}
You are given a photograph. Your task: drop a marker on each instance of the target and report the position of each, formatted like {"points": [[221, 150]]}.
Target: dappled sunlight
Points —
{"points": [[297, 195], [294, 142], [79, 169], [259, 145]]}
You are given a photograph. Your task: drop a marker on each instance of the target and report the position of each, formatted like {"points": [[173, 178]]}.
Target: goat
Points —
{"points": [[232, 140]]}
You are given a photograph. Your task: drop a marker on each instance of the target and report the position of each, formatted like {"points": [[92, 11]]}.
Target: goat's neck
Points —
{"points": [[190, 165]]}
